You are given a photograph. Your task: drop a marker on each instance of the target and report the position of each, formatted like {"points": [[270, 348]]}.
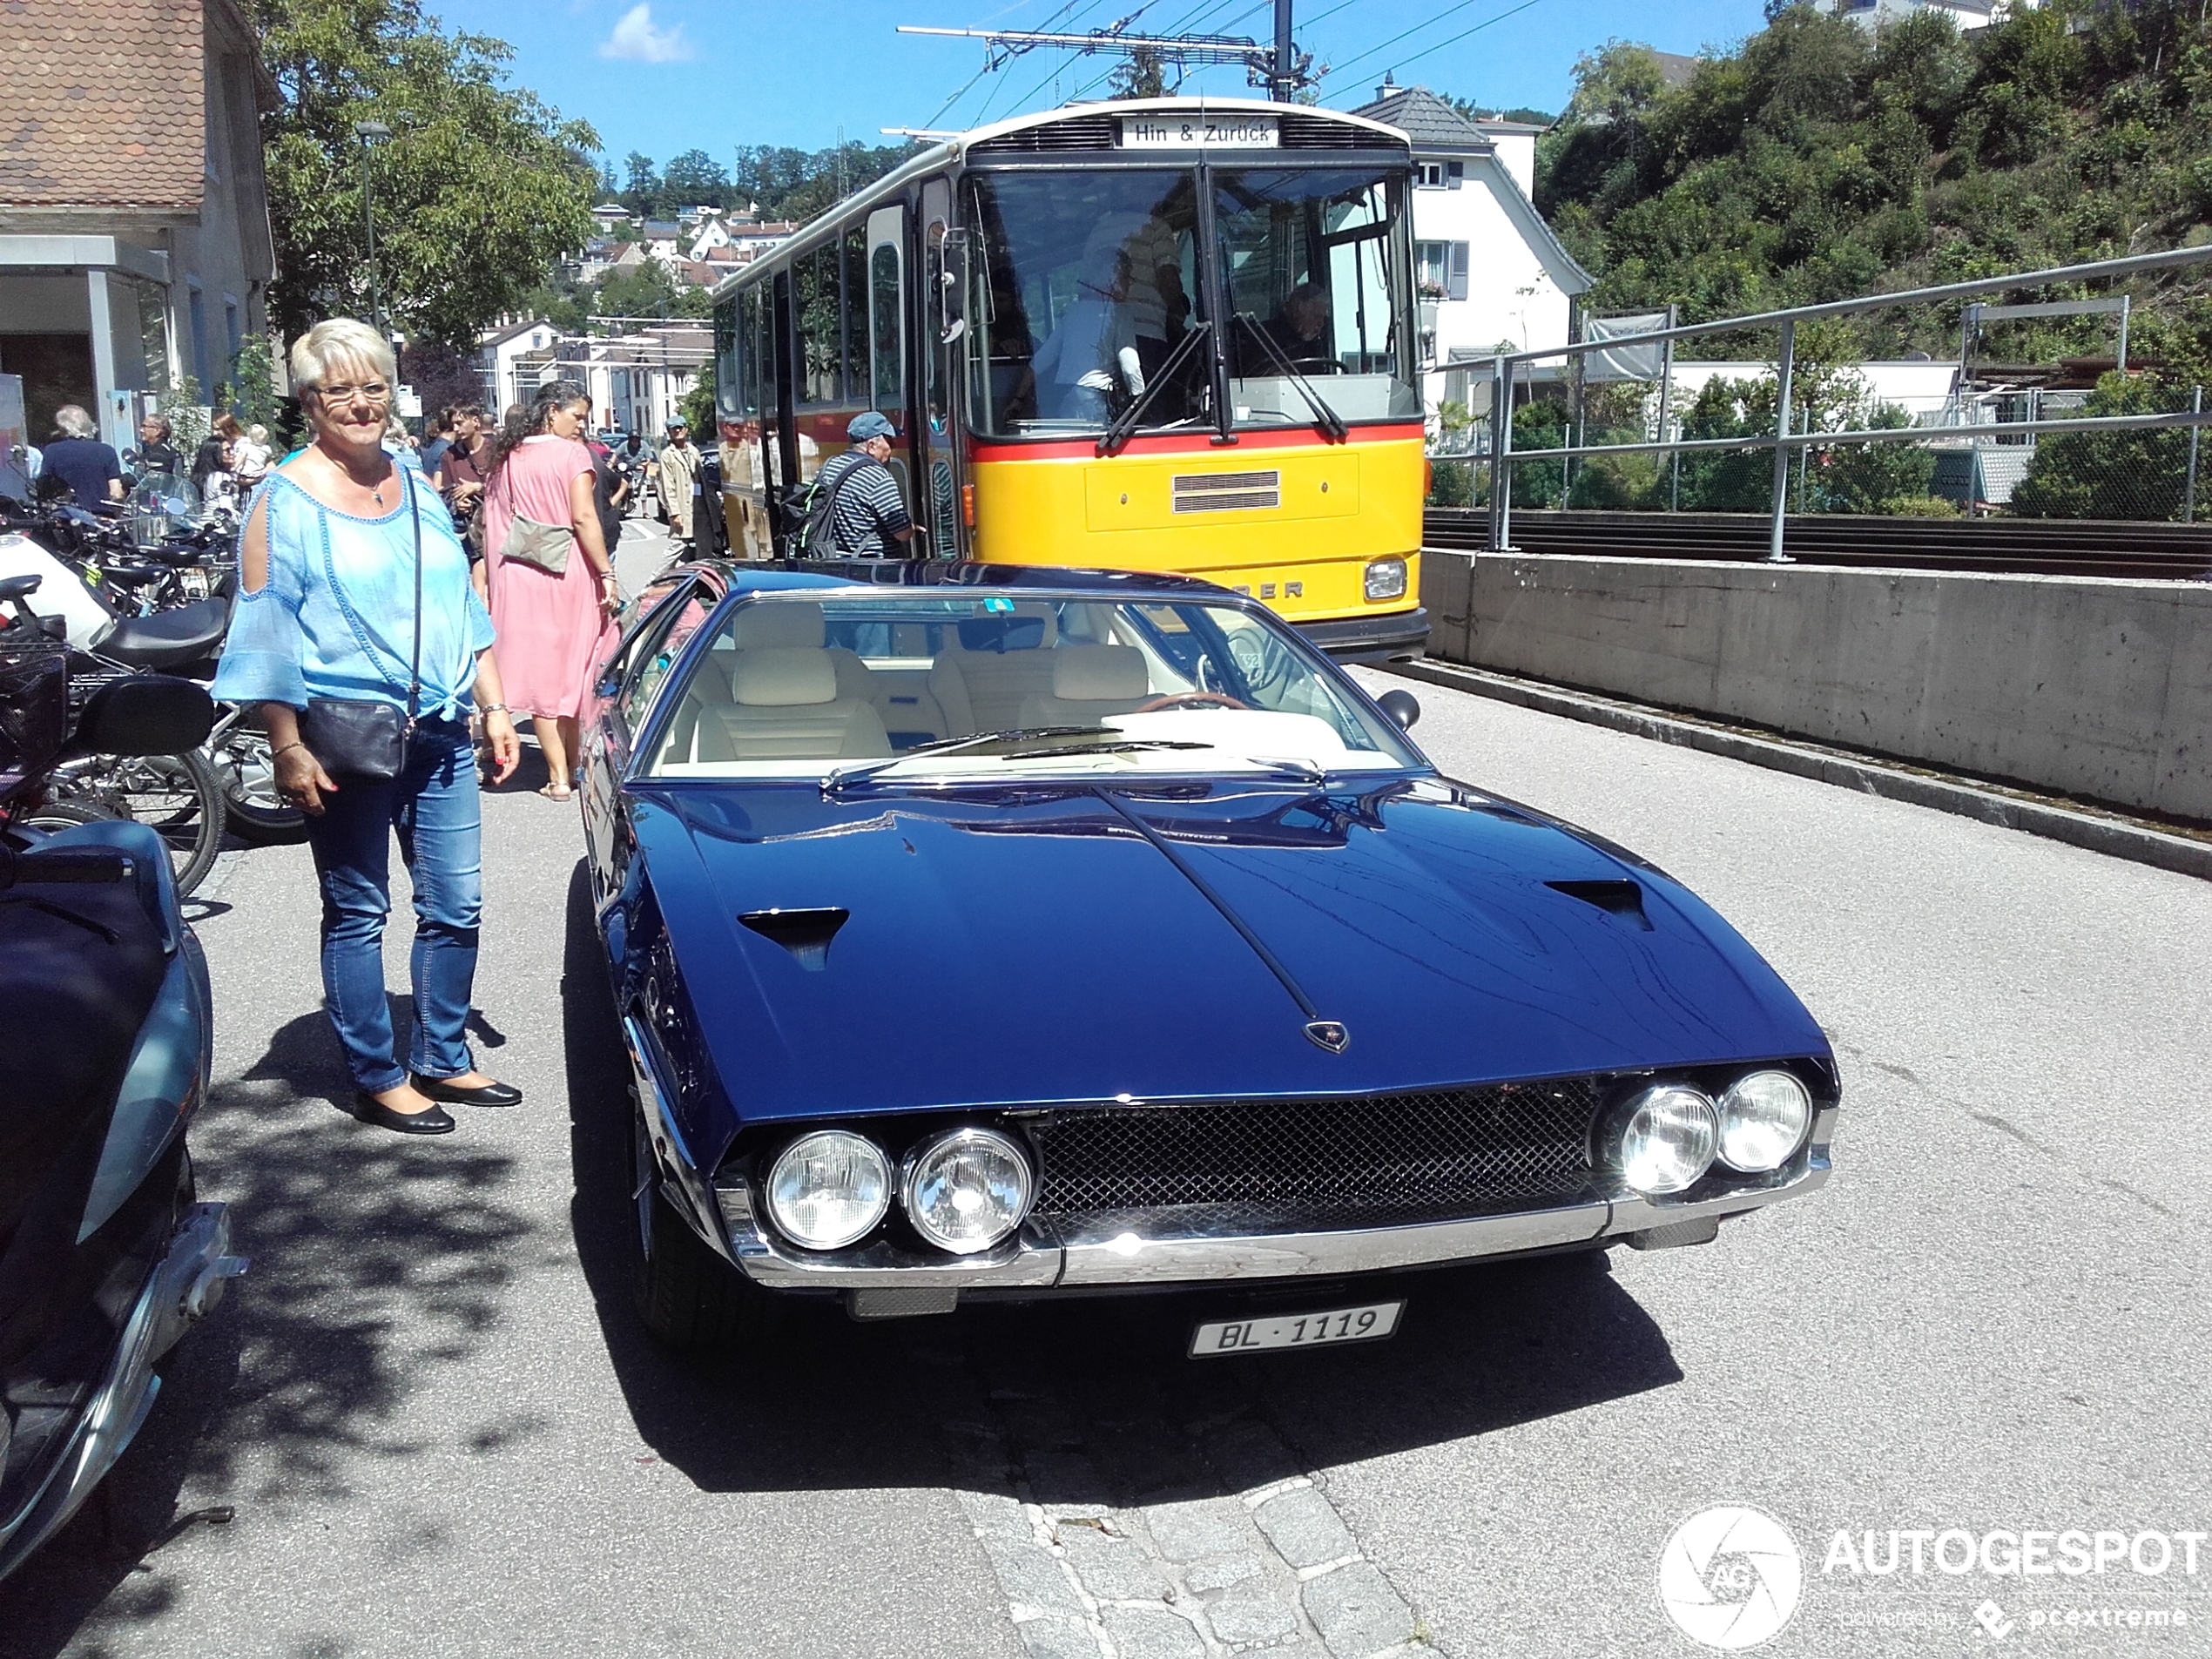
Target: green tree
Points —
{"points": [[479, 189], [695, 179], [1144, 73], [2138, 474]]}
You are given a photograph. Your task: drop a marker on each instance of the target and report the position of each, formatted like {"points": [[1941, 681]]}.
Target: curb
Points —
{"points": [[2115, 837]]}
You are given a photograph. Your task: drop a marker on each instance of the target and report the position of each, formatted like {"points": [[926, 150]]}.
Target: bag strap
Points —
{"points": [[414, 664]]}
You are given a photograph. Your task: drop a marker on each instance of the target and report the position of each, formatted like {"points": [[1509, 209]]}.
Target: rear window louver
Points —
{"points": [[1078, 132], [1310, 132], [1227, 492]]}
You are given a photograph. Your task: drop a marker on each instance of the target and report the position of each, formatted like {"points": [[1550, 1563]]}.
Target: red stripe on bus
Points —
{"points": [[1184, 443]]}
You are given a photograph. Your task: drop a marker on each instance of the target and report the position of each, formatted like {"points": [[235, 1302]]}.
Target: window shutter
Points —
{"points": [[1455, 174], [1455, 284]]}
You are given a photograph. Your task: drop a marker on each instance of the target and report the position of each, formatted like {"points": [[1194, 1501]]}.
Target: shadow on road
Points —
{"points": [[375, 1262], [841, 1405]]}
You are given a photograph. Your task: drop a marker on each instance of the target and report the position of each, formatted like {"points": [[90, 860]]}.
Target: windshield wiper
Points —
{"points": [[1118, 434], [1325, 418], [845, 775], [1126, 746]]}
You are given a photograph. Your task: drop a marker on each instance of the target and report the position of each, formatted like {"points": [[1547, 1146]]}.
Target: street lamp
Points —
{"points": [[370, 134]]}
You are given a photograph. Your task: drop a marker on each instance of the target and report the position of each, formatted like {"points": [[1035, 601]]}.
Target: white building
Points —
{"points": [[1969, 15], [709, 234], [1489, 271], [499, 352]]}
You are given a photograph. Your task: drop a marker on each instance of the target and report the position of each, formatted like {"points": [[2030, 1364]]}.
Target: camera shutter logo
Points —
{"points": [[1730, 1576]]}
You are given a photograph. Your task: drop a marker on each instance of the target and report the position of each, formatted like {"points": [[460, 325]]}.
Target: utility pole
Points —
{"points": [[371, 133]]}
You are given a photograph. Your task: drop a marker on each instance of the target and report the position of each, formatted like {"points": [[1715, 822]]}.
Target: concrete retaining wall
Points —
{"points": [[2080, 685]]}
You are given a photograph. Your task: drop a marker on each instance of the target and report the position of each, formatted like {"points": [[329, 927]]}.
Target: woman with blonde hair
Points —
{"points": [[552, 584], [358, 634]]}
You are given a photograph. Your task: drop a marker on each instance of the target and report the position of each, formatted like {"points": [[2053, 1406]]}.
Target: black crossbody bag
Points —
{"points": [[363, 740]]}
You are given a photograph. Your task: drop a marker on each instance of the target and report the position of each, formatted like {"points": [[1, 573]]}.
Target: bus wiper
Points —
{"points": [[1325, 418], [844, 776], [1118, 434]]}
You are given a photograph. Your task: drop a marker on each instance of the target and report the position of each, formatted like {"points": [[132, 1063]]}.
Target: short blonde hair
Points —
{"points": [[337, 341], [72, 420]]}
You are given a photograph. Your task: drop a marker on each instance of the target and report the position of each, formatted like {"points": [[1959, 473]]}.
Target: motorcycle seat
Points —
{"points": [[168, 638]]}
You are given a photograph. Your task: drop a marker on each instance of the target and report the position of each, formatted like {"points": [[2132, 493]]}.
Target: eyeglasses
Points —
{"points": [[372, 391]]}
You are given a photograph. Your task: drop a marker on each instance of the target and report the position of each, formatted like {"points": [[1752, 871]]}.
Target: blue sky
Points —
{"points": [[663, 76]]}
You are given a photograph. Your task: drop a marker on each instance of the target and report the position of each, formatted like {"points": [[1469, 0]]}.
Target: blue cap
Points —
{"points": [[871, 423]]}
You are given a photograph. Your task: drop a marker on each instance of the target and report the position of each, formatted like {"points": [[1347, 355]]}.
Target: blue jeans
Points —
{"points": [[433, 805]]}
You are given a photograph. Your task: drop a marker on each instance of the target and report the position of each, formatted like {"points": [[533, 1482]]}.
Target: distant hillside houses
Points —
{"points": [[698, 253]]}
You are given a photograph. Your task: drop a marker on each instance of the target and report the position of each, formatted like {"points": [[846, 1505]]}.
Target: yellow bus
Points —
{"points": [[1171, 334]]}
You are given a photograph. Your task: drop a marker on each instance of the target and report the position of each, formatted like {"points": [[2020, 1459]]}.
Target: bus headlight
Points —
{"points": [[1386, 579]]}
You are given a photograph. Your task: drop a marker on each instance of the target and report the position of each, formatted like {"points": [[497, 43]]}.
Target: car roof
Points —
{"points": [[813, 575]]}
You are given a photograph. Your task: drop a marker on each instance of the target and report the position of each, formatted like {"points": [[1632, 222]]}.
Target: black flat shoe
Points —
{"points": [[484, 1095], [374, 1112]]}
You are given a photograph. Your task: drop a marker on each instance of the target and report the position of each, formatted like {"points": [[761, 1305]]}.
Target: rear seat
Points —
{"points": [[984, 690], [785, 703], [1089, 682]]}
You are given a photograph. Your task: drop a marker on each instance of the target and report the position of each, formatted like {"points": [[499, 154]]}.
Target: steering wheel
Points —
{"points": [[1186, 699]]}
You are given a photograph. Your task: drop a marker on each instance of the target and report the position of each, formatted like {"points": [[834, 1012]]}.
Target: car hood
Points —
{"points": [[1060, 944]]}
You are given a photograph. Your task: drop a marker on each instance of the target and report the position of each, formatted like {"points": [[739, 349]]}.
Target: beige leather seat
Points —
{"points": [[785, 703], [768, 623], [983, 691], [1089, 681]]}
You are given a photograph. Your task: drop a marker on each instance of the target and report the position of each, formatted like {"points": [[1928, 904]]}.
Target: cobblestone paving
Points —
{"points": [[1124, 1522]]}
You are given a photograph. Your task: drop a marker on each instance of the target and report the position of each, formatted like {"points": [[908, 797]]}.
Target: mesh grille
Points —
{"points": [[1312, 132], [1220, 492], [1079, 133], [1286, 1162]]}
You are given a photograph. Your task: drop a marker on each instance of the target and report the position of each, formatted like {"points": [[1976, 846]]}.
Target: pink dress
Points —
{"points": [[550, 627]]}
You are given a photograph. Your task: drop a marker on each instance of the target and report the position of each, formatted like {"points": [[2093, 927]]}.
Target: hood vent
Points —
{"points": [[804, 934], [1623, 899], [1227, 492]]}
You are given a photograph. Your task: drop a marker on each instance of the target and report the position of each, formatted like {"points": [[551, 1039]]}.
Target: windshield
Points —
{"points": [[935, 685], [1088, 281], [1314, 264]]}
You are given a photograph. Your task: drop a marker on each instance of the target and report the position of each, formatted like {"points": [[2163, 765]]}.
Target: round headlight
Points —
{"points": [[965, 1191], [828, 1189], [1668, 1142], [1763, 1119]]}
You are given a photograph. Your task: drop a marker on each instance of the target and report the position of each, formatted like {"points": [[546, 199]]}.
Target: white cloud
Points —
{"points": [[635, 36]]}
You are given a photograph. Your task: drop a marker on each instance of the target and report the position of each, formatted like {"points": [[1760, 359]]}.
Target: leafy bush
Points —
{"points": [[2134, 475]]}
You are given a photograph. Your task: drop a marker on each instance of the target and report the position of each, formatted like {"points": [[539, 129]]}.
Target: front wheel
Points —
{"points": [[687, 1296], [176, 796], [251, 805]]}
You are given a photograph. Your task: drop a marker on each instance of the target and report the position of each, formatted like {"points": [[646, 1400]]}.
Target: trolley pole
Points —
{"points": [[1283, 81]]}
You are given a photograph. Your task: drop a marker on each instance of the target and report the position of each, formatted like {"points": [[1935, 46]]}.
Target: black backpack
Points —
{"points": [[814, 507]]}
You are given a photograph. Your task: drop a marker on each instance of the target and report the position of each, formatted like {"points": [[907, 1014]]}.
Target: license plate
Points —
{"points": [[1369, 1323]]}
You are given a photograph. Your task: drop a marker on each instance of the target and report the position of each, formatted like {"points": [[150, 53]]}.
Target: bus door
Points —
{"points": [[886, 314], [944, 343], [780, 428]]}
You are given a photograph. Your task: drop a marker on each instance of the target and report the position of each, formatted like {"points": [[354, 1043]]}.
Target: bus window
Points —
{"points": [[1312, 258], [1091, 283], [854, 313], [729, 371], [815, 297], [752, 349], [886, 330]]}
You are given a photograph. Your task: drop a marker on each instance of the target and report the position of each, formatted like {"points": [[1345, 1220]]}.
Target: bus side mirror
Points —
{"points": [[951, 289]]}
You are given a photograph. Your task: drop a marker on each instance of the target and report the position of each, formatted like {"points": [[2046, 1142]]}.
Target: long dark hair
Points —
{"points": [[520, 423]]}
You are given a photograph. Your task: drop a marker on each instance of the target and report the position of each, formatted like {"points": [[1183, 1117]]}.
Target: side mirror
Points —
{"points": [[145, 714], [951, 289], [1401, 707]]}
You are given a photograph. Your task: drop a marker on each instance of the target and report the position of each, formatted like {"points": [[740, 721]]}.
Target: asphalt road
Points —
{"points": [[437, 1431]]}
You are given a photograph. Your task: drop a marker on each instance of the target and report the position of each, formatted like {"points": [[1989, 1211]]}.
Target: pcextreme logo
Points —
{"points": [[1730, 1576]]}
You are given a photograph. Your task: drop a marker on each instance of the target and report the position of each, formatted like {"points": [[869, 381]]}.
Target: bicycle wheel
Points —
{"points": [[251, 805], [178, 797]]}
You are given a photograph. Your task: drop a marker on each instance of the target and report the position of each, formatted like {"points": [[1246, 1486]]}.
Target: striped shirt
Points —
{"points": [[870, 508]]}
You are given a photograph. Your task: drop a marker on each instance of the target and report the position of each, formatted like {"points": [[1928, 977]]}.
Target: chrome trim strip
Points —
{"points": [[1032, 1261], [681, 1179]]}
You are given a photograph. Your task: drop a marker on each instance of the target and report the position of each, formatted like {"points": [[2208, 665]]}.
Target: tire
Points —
{"points": [[685, 1295], [177, 796], [250, 806]]}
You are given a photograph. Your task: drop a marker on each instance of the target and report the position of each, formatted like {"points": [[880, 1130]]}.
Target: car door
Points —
{"points": [[670, 611]]}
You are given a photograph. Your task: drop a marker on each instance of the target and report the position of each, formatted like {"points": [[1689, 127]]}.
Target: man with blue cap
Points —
{"points": [[867, 510]]}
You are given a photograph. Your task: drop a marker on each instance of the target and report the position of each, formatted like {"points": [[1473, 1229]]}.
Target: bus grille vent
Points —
{"points": [[1079, 133], [1227, 492], [1312, 132]]}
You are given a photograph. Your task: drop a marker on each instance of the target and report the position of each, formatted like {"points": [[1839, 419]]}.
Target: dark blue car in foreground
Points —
{"points": [[983, 932]]}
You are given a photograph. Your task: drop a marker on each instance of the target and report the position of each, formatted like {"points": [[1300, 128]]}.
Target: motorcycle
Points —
{"points": [[107, 1255]]}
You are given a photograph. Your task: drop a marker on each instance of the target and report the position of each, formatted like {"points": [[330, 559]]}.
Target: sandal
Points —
{"points": [[556, 792]]}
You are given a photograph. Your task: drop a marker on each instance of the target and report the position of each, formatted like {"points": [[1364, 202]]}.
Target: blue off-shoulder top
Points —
{"points": [[336, 617]]}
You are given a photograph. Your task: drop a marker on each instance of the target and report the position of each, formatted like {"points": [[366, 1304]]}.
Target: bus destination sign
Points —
{"points": [[1200, 132]]}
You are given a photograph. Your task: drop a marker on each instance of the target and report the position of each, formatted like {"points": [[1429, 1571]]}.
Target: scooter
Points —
{"points": [[106, 1256]]}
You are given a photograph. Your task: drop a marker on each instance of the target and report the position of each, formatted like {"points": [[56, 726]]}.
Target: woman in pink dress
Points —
{"points": [[551, 627]]}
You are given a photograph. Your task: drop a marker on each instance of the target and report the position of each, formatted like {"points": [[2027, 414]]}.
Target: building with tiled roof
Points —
{"points": [[134, 229], [1490, 274]]}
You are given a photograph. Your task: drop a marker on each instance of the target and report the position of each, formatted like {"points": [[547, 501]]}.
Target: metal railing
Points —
{"points": [[1502, 456]]}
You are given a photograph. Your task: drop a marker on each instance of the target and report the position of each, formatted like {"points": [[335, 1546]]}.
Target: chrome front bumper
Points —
{"points": [[1035, 1261]]}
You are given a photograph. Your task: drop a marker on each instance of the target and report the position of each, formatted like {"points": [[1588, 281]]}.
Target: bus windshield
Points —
{"points": [[1090, 281]]}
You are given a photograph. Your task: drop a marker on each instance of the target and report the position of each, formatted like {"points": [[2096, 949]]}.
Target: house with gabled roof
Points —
{"points": [[1489, 272]]}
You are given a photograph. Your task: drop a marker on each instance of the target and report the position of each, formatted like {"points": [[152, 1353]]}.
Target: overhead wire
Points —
{"points": [[1425, 51], [1383, 46]]}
